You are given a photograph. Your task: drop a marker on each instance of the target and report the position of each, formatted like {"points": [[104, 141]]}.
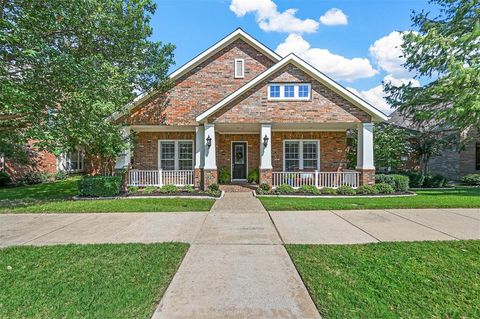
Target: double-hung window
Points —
{"points": [[176, 155], [73, 161], [301, 155], [289, 91]]}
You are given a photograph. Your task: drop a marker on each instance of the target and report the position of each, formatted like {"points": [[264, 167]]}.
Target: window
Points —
{"points": [[176, 155], [72, 161], [299, 155], [477, 153], [289, 91], [239, 68], [274, 91]]}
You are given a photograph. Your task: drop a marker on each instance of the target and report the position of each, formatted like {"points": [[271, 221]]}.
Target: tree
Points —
{"points": [[390, 143], [66, 66], [446, 50]]}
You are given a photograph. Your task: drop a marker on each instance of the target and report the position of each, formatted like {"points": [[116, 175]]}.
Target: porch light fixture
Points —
{"points": [[265, 140], [209, 141]]}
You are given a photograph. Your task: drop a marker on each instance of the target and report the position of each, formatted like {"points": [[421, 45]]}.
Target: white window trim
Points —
{"points": [[296, 90], [64, 162], [176, 158], [300, 150], [239, 76]]}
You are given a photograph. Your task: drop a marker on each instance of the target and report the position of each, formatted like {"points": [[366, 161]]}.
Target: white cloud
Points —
{"points": [[388, 55], [334, 16], [376, 96], [270, 19], [336, 66]]}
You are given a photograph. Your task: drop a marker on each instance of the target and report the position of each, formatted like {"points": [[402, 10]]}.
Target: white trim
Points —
{"points": [[296, 90], [237, 34], [176, 154], [231, 162], [376, 114], [300, 152], [210, 162], [242, 75], [266, 151], [163, 128]]}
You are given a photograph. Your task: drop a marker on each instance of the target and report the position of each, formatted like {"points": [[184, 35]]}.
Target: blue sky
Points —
{"points": [[352, 41]]}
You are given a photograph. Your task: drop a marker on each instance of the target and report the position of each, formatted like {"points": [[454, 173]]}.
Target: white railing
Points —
{"points": [[317, 179], [160, 177]]}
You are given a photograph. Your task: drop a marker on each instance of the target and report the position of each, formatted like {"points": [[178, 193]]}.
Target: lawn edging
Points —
{"points": [[79, 198], [336, 196]]}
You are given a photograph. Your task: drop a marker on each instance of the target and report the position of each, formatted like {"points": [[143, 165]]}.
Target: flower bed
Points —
{"points": [[172, 190]]}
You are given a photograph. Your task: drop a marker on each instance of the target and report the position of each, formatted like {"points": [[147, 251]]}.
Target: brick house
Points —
{"points": [[238, 106]]}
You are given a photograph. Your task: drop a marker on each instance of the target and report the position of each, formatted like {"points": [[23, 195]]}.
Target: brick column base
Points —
{"points": [[198, 178], [209, 177], [367, 176], [266, 176]]}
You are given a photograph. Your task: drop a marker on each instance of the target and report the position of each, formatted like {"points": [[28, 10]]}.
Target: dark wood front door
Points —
{"points": [[239, 160]]}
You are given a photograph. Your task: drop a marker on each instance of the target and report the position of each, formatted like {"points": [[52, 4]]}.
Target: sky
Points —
{"points": [[355, 42]]}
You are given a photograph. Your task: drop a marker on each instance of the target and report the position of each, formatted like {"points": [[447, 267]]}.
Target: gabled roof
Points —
{"points": [[377, 115], [235, 35]]}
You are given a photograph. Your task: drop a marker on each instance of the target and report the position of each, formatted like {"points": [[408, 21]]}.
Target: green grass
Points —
{"points": [[451, 198], [87, 281], [55, 190], [115, 206], [392, 280]]}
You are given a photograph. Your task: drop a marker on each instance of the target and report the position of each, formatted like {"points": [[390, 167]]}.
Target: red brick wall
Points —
{"points": [[202, 87], [325, 105], [224, 149], [333, 146], [145, 154]]}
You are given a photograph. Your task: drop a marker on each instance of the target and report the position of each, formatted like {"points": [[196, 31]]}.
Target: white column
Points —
{"points": [[123, 159], [210, 156], [199, 146], [365, 146], [266, 151]]}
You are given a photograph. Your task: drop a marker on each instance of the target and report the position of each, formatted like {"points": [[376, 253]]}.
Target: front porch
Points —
{"points": [[297, 155]]}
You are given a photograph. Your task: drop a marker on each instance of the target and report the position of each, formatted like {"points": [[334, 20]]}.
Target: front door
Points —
{"points": [[239, 160]]}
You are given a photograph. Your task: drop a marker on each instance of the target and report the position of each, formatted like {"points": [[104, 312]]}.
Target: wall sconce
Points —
{"points": [[209, 141], [265, 140]]}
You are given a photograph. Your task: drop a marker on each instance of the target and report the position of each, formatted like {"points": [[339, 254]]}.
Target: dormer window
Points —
{"points": [[239, 68], [289, 91]]}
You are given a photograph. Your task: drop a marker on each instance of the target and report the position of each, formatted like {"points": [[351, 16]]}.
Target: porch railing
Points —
{"points": [[317, 179], [160, 177]]}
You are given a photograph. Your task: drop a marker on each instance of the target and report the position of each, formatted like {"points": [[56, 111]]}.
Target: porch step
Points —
{"points": [[238, 188]]}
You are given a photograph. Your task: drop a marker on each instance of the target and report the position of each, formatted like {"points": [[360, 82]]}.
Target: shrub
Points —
{"points": [[472, 179], [265, 187], [398, 182], [100, 186], [367, 189], [32, 178], [133, 189], [189, 189], [328, 191], [384, 188], [435, 181], [415, 178], [214, 187], [168, 189], [61, 175], [345, 190], [4, 178], [253, 176], [309, 189], [214, 193], [284, 189], [224, 175], [150, 190]]}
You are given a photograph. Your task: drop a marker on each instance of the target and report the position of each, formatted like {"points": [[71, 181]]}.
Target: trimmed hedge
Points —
{"points": [[400, 183], [100, 186], [384, 188], [345, 190], [4, 178], [472, 179], [367, 190], [309, 189]]}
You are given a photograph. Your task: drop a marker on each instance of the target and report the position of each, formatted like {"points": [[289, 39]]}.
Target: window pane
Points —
{"points": [[292, 156], [303, 91], [167, 155], [185, 155], [289, 91], [185, 164], [274, 90], [310, 155]]}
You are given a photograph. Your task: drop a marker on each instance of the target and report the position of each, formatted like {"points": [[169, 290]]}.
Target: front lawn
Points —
{"points": [[392, 280], [115, 206], [87, 281], [451, 198], [54, 190]]}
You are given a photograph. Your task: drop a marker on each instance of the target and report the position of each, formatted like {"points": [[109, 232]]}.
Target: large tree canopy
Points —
{"points": [[66, 66], [445, 49]]}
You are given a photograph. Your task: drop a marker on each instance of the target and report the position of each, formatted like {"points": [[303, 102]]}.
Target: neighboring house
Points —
{"points": [[239, 106], [457, 160]]}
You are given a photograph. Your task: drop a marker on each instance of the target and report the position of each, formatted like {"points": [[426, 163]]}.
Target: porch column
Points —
{"points": [[266, 154], [365, 164], [210, 164], [199, 154], [123, 159]]}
